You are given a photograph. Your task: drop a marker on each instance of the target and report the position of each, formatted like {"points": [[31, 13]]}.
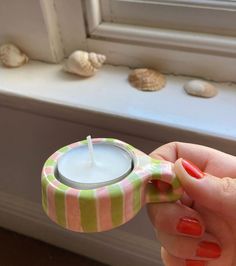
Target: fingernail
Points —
{"points": [[192, 169], [208, 250], [189, 226], [195, 263]]}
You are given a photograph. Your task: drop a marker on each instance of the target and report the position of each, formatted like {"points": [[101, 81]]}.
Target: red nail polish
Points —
{"points": [[208, 250], [192, 169], [189, 226], [195, 263]]}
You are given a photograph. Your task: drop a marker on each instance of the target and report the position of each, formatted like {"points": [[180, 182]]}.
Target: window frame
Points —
{"points": [[182, 15], [80, 25], [171, 51], [148, 36]]}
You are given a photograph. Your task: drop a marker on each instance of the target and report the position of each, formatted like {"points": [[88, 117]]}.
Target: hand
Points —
{"points": [[200, 229]]}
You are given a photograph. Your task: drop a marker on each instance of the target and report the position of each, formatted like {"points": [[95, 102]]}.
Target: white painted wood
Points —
{"points": [[199, 42], [53, 31], [173, 46], [48, 29], [195, 16], [116, 247], [108, 101], [71, 25], [23, 23], [168, 60], [93, 14], [209, 4]]}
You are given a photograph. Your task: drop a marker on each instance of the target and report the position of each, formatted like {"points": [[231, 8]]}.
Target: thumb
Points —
{"points": [[217, 194]]}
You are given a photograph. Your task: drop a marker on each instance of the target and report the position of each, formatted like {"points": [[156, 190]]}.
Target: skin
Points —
{"points": [[211, 200]]}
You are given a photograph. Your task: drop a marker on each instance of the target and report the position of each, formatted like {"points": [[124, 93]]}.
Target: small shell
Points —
{"points": [[147, 79], [84, 63], [200, 88], [11, 56]]}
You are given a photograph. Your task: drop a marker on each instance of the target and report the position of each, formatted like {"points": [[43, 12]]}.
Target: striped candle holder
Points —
{"points": [[104, 208]]}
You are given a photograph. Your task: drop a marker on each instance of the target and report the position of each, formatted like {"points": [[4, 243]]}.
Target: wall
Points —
{"points": [[26, 141], [30, 132]]}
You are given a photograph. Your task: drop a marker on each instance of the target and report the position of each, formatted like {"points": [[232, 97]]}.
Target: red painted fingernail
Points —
{"points": [[195, 263], [189, 226], [208, 250], [192, 169]]}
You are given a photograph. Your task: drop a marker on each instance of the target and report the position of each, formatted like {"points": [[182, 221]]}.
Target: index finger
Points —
{"points": [[207, 159]]}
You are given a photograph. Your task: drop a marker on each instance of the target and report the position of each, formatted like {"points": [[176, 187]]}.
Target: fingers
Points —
{"points": [[182, 220], [183, 233], [204, 248], [170, 260], [217, 194], [175, 150], [207, 159]]}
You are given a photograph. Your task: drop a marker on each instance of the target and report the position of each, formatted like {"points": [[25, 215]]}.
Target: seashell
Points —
{"points": [[200, 88], [11, 56], [147, 79], [84, 63]]}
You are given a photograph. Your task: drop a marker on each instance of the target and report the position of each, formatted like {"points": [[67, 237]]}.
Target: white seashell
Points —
{"points": [[147, 79], [83, 63], [11, 56], [200, 88]]}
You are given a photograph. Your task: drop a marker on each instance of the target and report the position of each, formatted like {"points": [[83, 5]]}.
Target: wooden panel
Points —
{"points": [[31, 25], [197, 16]]}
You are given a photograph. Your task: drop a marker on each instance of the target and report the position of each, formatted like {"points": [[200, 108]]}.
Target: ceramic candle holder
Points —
{"points": [[104, 208]]}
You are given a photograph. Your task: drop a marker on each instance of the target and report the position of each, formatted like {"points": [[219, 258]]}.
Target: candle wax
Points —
{"points": [[111, 164]]}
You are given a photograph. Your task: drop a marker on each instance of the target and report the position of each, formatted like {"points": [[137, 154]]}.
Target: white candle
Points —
{"points": [[92, 166]]}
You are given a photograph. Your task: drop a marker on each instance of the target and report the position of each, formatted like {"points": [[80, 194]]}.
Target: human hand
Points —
{"points": [[200, 229]]}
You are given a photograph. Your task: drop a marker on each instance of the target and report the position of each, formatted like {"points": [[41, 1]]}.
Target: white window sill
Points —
{"points": [[107, 100]]}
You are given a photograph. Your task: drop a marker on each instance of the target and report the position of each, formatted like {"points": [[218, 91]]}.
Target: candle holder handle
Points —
{"points": [[106, 207], [163, 171]]}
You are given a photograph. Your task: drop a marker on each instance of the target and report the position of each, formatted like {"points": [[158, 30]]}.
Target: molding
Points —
{"points": [[115, 247], [71, 25], [93, 14], [171, 51], [177, 39], [207, 4], [52, 26], [167, 60]]}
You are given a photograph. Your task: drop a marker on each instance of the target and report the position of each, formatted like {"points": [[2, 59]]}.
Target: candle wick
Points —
{"points": [[90, 148]]}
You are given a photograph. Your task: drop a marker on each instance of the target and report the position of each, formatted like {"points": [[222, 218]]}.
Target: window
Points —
{"points": [[193, 24], [190, 37], [180, 37], [215, 17]]}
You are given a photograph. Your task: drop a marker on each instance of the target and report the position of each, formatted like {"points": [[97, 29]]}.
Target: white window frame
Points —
{"points": [[215, 17], [46, 30], [78, 24], [171, 51], [32, 26]]}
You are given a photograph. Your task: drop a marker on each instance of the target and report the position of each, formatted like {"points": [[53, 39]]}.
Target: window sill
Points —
{"points": [[107, 100]]}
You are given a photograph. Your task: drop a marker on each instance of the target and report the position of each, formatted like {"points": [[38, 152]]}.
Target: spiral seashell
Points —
{"points": [[11, 56], [83, 63], [200, 88], [147, 79]]}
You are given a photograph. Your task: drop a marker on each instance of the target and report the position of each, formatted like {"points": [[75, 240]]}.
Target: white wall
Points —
{"points": [[27, 139]]}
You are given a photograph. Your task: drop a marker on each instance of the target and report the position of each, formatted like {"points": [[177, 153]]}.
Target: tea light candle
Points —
{"points": [[93, 166]]}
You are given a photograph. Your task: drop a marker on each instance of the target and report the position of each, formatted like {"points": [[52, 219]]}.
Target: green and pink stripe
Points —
{"points": [[110, 206]]}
